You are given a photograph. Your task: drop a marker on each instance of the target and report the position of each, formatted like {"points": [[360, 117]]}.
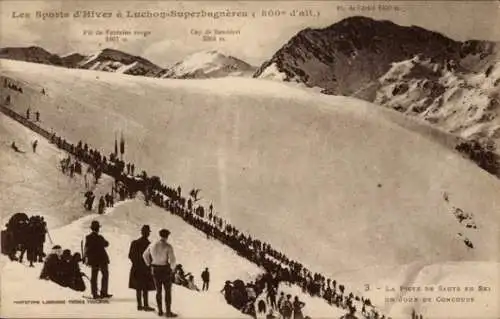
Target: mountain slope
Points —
{"points": [[362, 57], [349, 54], [26, 178], [117, 61], [331, 181], [30, 54], [466, 104], [208, 64], [72, 60]]}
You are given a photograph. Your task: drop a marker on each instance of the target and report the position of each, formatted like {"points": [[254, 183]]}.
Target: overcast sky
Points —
{"points": [[171, 39]]}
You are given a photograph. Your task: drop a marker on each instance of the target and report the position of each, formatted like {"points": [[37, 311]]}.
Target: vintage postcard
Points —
{"points": [[250, 159]]}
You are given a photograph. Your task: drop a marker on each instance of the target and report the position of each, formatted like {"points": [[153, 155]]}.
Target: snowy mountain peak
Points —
{"points": [[422, 73], [112, 60], [208, 64], [349, 54]]}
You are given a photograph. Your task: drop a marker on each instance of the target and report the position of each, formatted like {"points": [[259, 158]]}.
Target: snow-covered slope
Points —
{"points": [[451, 84], [208, 64], [467, 104], [343, 186], [120, 226], [46, 191], [25, 177]]}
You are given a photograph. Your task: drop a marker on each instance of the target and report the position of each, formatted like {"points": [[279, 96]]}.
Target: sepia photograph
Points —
{"points": [[250, 159]]}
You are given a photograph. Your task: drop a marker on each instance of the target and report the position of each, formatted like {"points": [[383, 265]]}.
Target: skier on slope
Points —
{"points": [[15, 148]]}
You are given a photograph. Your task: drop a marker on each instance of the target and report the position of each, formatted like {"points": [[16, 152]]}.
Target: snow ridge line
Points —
{"points": [[44, 133]]}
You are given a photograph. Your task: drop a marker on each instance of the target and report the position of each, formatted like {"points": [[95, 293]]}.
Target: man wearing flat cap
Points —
{"points": [[140, 275], [97, 258], [160, 256]]}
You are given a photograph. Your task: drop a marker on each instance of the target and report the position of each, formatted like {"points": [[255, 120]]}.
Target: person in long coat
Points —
{"points": [[141, 278], [97, 258]]}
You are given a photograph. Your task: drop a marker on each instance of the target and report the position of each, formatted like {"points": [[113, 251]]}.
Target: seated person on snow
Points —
{"points": [[190, 283], [52, 268], [75, 274], [179, 276]]}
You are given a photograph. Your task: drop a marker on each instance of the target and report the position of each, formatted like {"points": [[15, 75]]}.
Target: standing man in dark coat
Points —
{"points": [[140, 275], [97, 258], [205, 276]]}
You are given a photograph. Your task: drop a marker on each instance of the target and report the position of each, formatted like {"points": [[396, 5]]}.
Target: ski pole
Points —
{"points": [[50, 238]]}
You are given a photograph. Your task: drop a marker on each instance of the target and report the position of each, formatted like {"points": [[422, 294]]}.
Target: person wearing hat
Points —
{"points": [[52, 268], [160, 256], [140, 277], [96, 257]]}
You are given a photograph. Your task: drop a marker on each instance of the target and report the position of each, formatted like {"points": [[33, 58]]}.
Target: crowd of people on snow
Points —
{"points": [[63, 268], [247, 299], [25, 235], [12, 86], [278, 267]]}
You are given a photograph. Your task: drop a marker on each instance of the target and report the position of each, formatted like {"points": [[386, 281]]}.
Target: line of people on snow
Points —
{"points": [[206, 220], [7, 83], [263, 254], [248, 299], [25, 235], [12, 86]]}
